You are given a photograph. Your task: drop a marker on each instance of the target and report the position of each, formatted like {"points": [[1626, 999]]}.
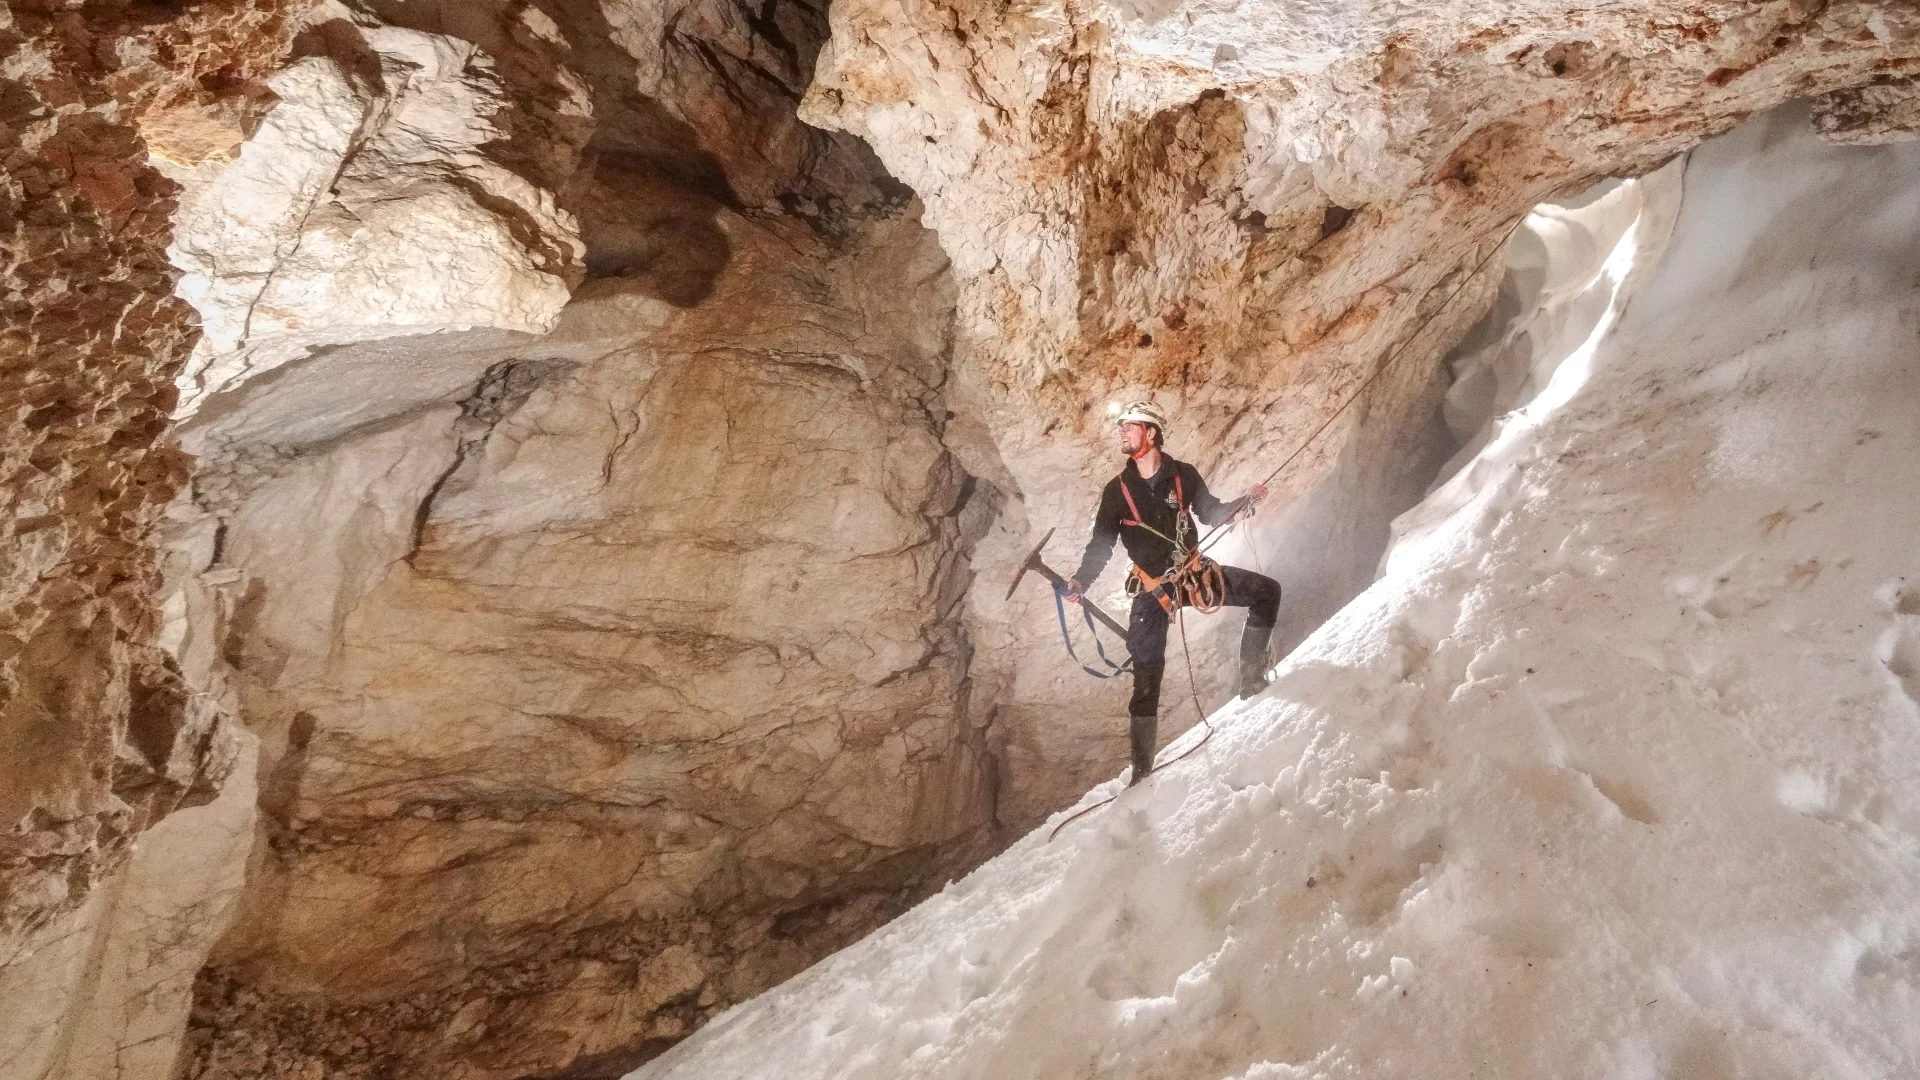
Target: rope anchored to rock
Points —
{"points": [[1213, 537]]}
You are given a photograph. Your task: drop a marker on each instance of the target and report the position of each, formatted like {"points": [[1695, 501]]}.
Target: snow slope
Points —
{"points": [[1616, 774]]}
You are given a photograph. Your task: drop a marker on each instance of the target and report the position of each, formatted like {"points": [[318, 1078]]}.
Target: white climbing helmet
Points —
{"points": [[1145, 412]]}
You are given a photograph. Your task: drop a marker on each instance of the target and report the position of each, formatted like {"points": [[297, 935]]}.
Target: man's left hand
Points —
{"points": [[1258, 495]]}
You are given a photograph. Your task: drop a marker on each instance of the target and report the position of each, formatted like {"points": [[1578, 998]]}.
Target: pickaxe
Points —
{"points": [[1034, 563]]}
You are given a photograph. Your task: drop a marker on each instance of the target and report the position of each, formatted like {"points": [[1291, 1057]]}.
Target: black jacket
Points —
{"points": [[1155, 499]]}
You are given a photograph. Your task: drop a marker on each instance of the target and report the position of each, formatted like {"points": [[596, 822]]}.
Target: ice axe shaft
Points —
{"points": [[1034, 563]]}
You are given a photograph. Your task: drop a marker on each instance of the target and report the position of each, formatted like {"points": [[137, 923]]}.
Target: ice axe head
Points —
{"points": [[1031, 562]]}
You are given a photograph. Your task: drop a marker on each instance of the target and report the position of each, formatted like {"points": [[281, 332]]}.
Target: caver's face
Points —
{"points": [[1134, 437]]}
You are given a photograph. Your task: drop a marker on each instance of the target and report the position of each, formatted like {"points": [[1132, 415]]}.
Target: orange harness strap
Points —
{"points": [[1200, 583], [1179, 499]]}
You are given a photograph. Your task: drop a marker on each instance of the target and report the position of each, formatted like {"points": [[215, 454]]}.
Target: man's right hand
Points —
{"points": [[1074, 590]]}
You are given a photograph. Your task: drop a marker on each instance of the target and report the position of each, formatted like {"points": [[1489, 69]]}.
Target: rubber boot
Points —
{"points": [[1143, 729], [1253, 659]]}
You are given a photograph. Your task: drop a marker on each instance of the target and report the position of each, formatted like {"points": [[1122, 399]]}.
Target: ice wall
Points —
{"points": [[1615, 774]]}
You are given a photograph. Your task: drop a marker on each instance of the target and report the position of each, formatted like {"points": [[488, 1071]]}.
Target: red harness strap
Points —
{"points": [[1179, 499]]}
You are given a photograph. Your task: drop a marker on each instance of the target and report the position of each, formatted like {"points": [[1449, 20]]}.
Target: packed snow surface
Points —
{"points": [[1615, 774]]}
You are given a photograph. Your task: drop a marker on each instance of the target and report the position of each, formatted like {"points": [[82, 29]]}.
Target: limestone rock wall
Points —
{"points": [[1885, 110], [612, 693], [1148, 195], [366, 206], [604, 676], [100, 737]]}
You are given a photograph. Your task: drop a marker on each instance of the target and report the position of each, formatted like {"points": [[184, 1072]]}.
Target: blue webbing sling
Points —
{"points": [[1060, 610]]}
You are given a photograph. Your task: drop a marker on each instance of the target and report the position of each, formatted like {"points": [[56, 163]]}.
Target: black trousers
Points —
{"points": [[1147, 631]]}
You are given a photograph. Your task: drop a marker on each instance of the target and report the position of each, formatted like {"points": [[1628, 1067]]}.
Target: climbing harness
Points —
{"points": [[1198, 583], [1191, 565], [1193, 580]]}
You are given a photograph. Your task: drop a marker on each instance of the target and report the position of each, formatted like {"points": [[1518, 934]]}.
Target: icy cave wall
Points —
{"points": [[592, 477]]}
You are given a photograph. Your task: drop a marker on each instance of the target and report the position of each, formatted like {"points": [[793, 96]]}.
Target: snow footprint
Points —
{"points": [[1742, 584], [1900, 645], [1526, 935], [1379, 890], [1879, 950], [1842, 798]]}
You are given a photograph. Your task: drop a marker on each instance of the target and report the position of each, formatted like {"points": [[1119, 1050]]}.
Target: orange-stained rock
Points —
{"points": [[99, 738]]}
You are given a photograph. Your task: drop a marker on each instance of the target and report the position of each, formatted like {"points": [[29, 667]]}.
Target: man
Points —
{"points": [[1150, 507]]}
